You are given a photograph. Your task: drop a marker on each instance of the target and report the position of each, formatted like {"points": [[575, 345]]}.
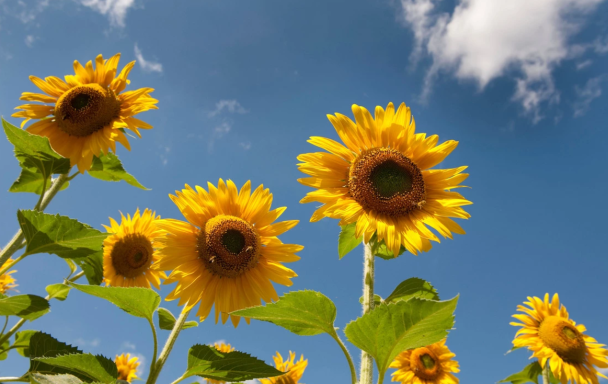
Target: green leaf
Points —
{"points": [[390, 329], [305, 313], [347, 241], [166, 320], [529, 375], [23, 338], [380, 249], [58, 291], [73, 267], [413, 287], [4, 350], [377, 300], [29, 307], [208, 362], [44, 345], [109, 168], [37, 378], [139, 302], [35, 151], [58, 235], [85, 366], [92, 266], [31, 180]]}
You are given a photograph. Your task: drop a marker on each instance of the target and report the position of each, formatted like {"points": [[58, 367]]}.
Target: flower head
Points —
{"points": [[295, 368], [7, 282], [432, 364], [127, 367]]}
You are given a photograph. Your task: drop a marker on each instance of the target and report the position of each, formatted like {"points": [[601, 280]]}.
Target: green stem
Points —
{"points": [[10, 265], [546, 373], [37, 207], [181, 378], [367, 362], [13, 379], [351, 365], [4, 328], [164, 354], [155, 342]]}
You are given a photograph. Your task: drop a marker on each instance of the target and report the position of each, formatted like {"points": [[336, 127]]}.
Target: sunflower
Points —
{"points": [[228, 252], [87, 111], [427, 365], [129, 252], [7, 282], [225, 348], [127, 367], [296, 369], [380, 179], [551, 335]]}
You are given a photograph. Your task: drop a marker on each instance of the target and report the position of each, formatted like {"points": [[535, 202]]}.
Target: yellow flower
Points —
{"points": [[228, 252], [296, 369], [225, 348], [551, 335], [87, 110], [127, 367], [129, 252], [7, 282], [381, 179], [427, 365]]}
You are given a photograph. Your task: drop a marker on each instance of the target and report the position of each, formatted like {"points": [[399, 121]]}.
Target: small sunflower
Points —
{"points": [[225, 348], [7, 282], [381, 179], [129, 252], [127, 367], [551, 335], [296, 369], [87, 110], [427, 365], [228, 252]]}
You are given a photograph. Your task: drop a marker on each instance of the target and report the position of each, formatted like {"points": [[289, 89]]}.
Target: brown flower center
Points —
{"points": [[563, 338], [85, 109], [228, 246], [386, 181], [132, 255], [424, 364]]}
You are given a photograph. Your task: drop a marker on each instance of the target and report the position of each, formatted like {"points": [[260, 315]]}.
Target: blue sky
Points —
{"points": [[242, 85]]}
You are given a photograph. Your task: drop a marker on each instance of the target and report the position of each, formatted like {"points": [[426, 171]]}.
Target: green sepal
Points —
{"points": [[109, 168], [413, 287], [380, 249], [347, 241], [29, 307]]}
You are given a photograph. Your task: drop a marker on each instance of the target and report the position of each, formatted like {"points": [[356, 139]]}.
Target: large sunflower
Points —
{"points": [[551, 335], [7, 282], [427, 365], [225, 348], [129, 252], [295, 368], [127, 367], [381, 179], [228, 252], [87, 110]]}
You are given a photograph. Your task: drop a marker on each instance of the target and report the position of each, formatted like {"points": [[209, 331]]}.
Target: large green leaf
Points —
{"points": [[31, 180], [347, 241], [166, 320], [58, 291], [139, 302], [304, 313], [29, 307], [37, 378], [391, 329], [35, 152], [22, 339], [413, 287], [208, 362], [92, 266], [44, 345], [87, 366], [58, 235], [109, 168]]}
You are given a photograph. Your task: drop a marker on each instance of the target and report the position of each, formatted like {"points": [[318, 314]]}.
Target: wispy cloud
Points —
{"points": [[218, 132], [585, 95], [164, 154], [29, 40], [479, 41], [583, 64], [116, 10], [25, 11], [230, 106], [147, 66], [245, 145], [82, 343]]}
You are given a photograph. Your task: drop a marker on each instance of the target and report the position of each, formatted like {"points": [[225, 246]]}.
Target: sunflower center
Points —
{"points": [[132, 255], [85, 109], [228, 246], [563, 338], [386, 181], [423, 362]]}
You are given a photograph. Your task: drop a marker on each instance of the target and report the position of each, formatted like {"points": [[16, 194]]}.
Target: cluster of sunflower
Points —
{"points": [[380, 183]]}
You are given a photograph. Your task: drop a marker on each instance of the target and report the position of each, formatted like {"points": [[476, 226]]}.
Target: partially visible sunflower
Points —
{"points": [[228, 252], [127, 367], [427, 365], [222, 347], [381, 179], [129, 252], [7, 282], [296, 369], [549, 333], [87, 110]]}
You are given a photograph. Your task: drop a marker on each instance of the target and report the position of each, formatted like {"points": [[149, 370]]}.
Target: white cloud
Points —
{"points": [[245, 145], [231, 106], [583, 64], [147, 66], [482, 40], [127, 345], [82, 343], [601, 45], [585, 95], [25, 11], [164, 155], [218, 132], [29, 40], [116, 10], [220, 341]]}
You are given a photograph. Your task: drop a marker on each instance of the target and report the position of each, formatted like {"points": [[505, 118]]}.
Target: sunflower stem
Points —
{"points": [[546, 373], [351, 365], [164, 354], [155, 342], [367, 363]]}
